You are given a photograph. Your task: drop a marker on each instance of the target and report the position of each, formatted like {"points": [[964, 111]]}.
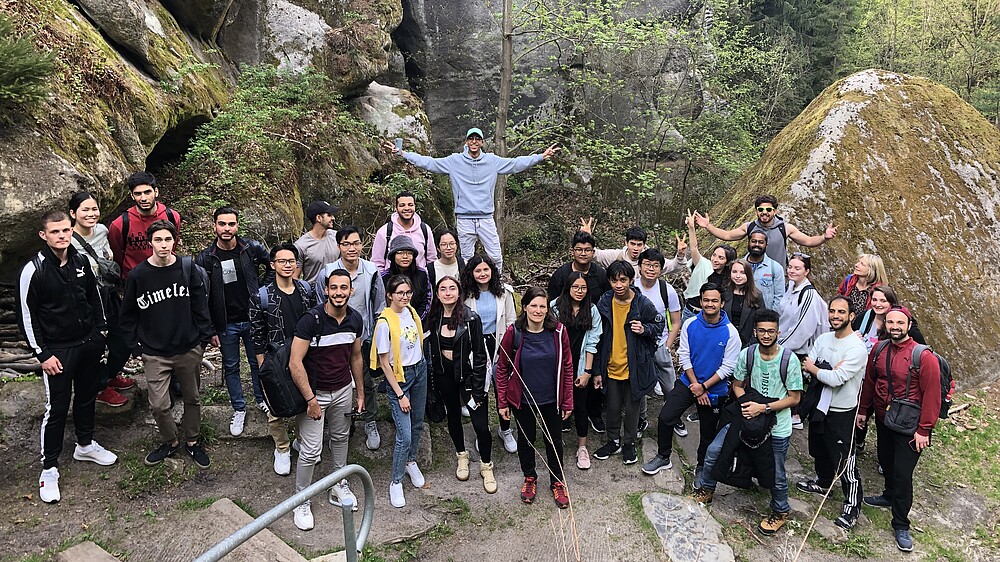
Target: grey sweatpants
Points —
{"points": [[333, 405]]}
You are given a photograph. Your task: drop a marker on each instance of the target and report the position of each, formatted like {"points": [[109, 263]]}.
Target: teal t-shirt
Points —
{"points": [[767, 380]]}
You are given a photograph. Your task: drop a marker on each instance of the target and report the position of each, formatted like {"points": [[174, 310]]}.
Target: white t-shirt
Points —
{"points": [[674, 304], [410, 339], [442, 270]]}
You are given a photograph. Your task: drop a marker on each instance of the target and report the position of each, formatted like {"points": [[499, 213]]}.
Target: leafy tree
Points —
{"points": [[24, 71]]}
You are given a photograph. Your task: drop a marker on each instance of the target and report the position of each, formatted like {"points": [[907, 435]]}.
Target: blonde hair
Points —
{"points": [[876, 269]]}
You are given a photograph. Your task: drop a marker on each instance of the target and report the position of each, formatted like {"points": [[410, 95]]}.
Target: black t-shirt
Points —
{"points": [[538, 367], [234, 283], [328, 361], [576, 336], [292, 307], [737, 309]]}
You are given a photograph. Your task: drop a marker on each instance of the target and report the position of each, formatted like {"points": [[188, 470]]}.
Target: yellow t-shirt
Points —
{"points": [[618, 362]]}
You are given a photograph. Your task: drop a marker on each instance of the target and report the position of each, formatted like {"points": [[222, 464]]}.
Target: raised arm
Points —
{"points": [[727, 235], [695, 252], [802, 239]]}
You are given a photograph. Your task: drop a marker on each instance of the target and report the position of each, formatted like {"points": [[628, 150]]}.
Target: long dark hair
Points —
{"points": [[531, 294], [76, 200], [583, 319], [730, 253], [752, 297], [437, 309], [469, 285], [416, 275]]}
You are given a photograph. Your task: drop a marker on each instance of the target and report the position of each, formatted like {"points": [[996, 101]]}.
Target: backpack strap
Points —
{"points": [[186, 267], [666, 302], [262, 294], [173, 217], [867, 321], [803, 292], [125, 223], [751, 358], [786, 357], [388, 238], [427, 237]]}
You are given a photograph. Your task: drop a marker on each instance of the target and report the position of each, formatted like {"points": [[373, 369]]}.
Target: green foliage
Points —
{"points": [[196, 504], [24, 71], [190, 66]]}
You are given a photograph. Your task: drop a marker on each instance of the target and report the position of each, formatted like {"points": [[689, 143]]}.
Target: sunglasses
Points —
{"points": [[801, 255], [765, 209]]}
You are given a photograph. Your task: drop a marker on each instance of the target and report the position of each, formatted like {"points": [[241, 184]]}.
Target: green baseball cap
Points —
{"points": [[475, 131]]}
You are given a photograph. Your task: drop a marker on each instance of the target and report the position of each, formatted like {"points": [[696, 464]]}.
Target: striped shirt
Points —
{"points": [[328, 361]]}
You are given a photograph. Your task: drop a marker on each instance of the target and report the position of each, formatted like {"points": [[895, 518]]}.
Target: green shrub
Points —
{"points": [[24, 71]]}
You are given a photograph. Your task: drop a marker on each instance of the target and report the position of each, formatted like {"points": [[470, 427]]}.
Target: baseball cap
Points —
{"points": [[475, 131], [317, 208]]}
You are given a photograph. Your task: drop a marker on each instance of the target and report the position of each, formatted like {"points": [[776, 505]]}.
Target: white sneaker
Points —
{"points": [[304, 517], [396, 494], [509, 443], [343, 491], [465, 412], [48, 485], [282, 462], [236, 426], [416, 477], [658, 390], [95, 453], [797, 422], [374, 440]]}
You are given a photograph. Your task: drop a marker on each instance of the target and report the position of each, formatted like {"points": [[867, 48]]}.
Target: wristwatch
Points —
{"points": [[767, 408], [400, 397]]}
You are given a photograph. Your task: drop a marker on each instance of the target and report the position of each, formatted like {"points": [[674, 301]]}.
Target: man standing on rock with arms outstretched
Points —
{"points": [[473, 175]]}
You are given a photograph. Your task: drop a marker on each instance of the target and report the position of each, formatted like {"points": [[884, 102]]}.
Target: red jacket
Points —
{"points": [[925, 389], [130, 253], [509, 384]]}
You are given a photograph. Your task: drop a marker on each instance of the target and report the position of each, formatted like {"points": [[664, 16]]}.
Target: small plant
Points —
{"points": [[24, 71], [196, 504]]}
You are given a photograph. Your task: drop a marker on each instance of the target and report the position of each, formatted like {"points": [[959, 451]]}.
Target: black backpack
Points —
{"points": [[283, 397], [426, 230], [172, 216], [947, 382], [786, 356]]}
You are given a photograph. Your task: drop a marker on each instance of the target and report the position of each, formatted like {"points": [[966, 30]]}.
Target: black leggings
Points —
{"points": [[580, 409], [453, 405], [527, 432]]}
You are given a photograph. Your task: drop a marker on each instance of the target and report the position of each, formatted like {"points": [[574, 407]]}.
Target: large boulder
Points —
{"points": [[123, 21], [906, 169], [395, 113], [201, 17]]}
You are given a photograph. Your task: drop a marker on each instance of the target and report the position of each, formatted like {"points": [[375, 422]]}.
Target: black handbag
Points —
{"points": [[902, 415], [108, 273], [435, 410]]}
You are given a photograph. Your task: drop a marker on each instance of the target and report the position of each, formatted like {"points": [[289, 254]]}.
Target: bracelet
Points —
{"points": [[308, 400], [400, 396]]}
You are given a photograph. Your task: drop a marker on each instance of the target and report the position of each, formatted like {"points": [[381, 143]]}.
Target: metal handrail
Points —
{"points": [[353, 544]]}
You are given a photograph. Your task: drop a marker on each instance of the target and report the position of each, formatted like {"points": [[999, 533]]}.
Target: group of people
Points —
{"points": [[427, 321]]}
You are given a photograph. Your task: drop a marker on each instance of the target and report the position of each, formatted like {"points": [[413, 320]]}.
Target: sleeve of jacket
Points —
{"points": [[319, 291], [429, 296], [258, 325], [199, 305], [94, 297], [684, 348], [652, 321], [378, 289], [510, 313], [435, 165], [27, 319], [868, 385], [566, 372], [115, 240], [593, 336], [805, 326], [478, 378], [606, 257], [504, 366], [778, 287], [930, 392], [555, 284], [128, 316], [378, 249], [732, 353], [515, 165], [672, 265], [600, 367]]}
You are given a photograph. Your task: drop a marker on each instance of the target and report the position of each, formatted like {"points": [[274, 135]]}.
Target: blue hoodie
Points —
{"points": [[473, 180], [709, 349]]}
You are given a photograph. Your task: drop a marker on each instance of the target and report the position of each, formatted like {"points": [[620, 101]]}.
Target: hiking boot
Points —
{"points": [[343, 492], [462, 472], [642, 427], [559, 495], [878, 501], [48, 485], [163, 451], [509, 443], [702, 495], [304, 517], [772, 523], [528, 490], [656, 464], [489, 481], [847, 520], [94, 453], [198, 455], [597, 424], [236, 425], [396, 497], [610, 448], [416, 477], [121, 382], [629, 455], [110, 397], [811, 486], [282, 463], [903, 540], [681, 430], [373, 440], [583, 458]]}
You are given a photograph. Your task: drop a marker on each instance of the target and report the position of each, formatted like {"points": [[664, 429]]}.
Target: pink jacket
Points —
{"points": [[509, 384], [415, 232]]}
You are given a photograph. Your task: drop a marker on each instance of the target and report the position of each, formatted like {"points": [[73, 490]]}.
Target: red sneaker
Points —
{"points": [[121, 382], [111, 397], [528, 489], [559, 494]]}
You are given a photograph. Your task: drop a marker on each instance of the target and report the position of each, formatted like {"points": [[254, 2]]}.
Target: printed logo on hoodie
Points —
{"points": [[153, 297]]}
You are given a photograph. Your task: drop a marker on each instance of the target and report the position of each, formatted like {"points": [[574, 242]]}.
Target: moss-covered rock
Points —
{"points": [[906, 169]]}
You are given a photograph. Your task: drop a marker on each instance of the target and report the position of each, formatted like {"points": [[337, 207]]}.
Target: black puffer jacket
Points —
{"points": [[253, 255], [469, 354]]}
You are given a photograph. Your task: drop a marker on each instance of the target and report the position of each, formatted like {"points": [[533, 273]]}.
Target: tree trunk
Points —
{"points": [[500, 135]]}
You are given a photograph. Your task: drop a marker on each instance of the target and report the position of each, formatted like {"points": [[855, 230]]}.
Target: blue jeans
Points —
{"points": [[230, 347], [408, 424], [779, 494]]}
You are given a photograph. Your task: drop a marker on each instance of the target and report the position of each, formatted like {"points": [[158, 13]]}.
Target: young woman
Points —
{"points": [[90, 238], [869, 272], [583, 323], [449, 260], [493, 300], [402, 261], [715, 269], [804, 314], [458, 370], [870, 328], [398, 351], [535, 381], [743, 299]]}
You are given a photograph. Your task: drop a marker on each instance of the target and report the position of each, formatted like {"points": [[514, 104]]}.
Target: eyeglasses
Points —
{"points": [[286, 262], [765, 209], [355, 244], [768, 332], [404, 294], [448, 245], [578, 288], [583, 250], [650, 265]]}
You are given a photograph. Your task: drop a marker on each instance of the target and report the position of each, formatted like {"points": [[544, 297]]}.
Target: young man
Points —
{"points": [[368, 298], [664, 298], [127, 233], [632, 328], [405, 221], [781, 395], [165, 319], [234, 267], [708, 353], [768, 275], [777, 230], [898, 453], [325, 358], [473, 175], [838, 361], [287, 299], [635, 244], [318, 246], [61, 316]]}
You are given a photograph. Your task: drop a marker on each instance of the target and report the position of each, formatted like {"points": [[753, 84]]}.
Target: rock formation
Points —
{"points": [[906, 170]]}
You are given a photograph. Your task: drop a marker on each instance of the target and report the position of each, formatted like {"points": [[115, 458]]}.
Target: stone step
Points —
{"points": [[85, 552], [686, 529]]}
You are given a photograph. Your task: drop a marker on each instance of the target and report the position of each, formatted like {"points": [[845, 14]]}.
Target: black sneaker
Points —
{"points": [[643, 426], [163, 451], [878, 501], [811, 486], [692, 417], [198, 455], [628, 453], [567, 425], [847, 520], [597, 424], [608, 449]]}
